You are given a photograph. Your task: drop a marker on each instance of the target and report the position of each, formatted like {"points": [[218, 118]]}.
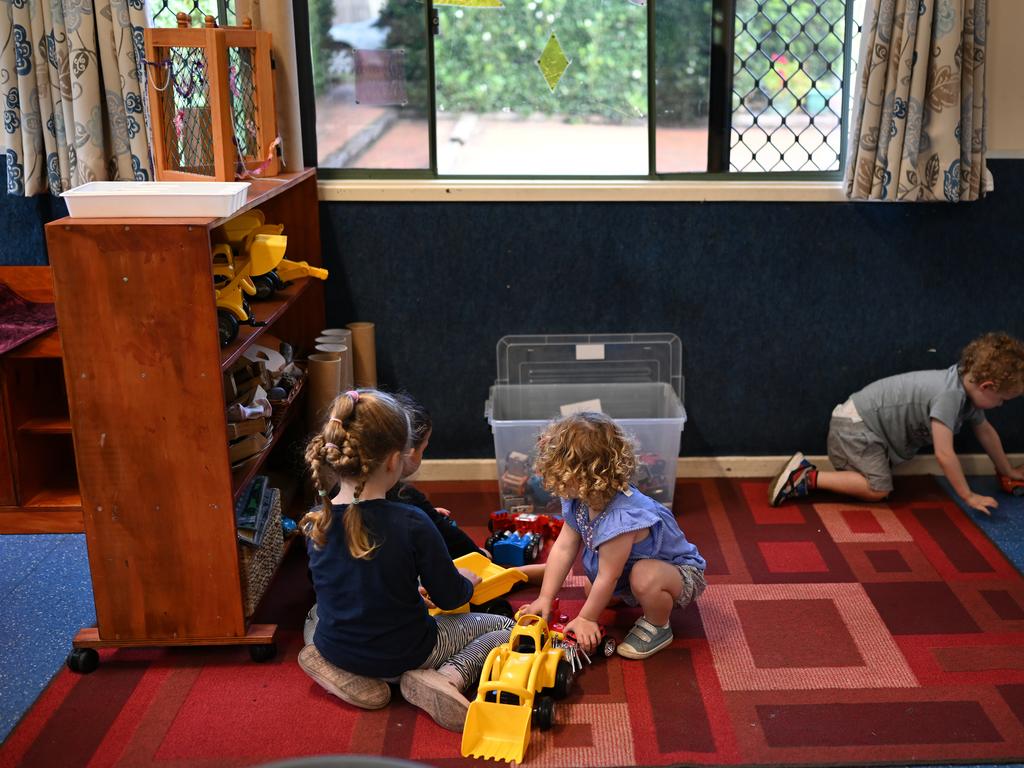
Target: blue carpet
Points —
{"points": [[45, 598]]}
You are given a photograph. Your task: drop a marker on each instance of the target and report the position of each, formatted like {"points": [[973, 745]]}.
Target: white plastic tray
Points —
{"points": [[155, 199]]}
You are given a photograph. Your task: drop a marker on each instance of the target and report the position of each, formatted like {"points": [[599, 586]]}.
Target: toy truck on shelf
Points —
{"points": [[495, 581], [518, 686]]}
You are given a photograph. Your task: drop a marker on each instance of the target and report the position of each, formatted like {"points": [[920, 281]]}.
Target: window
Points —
{"points": [[583, 88]]}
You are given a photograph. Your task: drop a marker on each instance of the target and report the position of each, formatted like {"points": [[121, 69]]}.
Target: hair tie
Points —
{"points": [[325, 494], [335, 418], [354, 395], [332, 445]]}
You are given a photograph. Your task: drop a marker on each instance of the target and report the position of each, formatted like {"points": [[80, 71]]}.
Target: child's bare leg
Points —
{"points": [[656, 586], [849, 483]]}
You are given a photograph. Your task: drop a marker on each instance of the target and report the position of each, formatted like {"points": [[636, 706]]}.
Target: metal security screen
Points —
{"points": [[789, 65]]}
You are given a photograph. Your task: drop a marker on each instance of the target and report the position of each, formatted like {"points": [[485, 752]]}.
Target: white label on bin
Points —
{"points": [[593, 406], [590, 351]]}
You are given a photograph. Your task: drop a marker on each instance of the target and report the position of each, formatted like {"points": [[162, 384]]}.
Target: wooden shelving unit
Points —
{"points": [[143, 366], [38, 482]]}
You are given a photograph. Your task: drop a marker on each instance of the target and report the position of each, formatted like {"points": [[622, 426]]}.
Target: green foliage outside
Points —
{"points": [[321, 16], [486, 59]]}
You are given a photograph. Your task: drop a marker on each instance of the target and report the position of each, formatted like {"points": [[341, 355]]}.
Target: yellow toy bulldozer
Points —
{"points": [[239, 234]]}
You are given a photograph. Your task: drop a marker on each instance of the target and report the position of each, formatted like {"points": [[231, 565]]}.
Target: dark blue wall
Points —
{"points": [[783, 308]]}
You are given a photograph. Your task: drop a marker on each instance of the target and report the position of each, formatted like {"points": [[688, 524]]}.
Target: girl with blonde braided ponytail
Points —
{"points": [[370, 624]]}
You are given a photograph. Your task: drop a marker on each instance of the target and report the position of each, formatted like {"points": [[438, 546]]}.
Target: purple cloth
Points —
{"points": [[21, 320]]}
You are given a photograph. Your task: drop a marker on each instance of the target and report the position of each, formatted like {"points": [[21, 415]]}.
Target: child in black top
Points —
{"points": [[367, 565]]}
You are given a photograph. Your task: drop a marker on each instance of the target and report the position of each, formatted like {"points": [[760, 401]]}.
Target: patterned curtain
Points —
{"points": [[919, 130], [71, 93]]}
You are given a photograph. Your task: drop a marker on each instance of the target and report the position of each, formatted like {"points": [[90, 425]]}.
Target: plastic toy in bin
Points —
{"points": [[495, 581], [649, 476], [518, 686], [1011, 486]]}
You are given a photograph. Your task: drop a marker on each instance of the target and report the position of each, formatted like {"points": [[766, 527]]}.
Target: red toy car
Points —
{"points": [[545, 526], [1011, 486]]}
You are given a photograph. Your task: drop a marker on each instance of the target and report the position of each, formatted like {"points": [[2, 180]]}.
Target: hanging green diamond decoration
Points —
{"points": [[552, 62]]}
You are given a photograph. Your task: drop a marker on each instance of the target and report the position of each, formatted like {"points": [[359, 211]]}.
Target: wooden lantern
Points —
{"points": [[211, 102]]}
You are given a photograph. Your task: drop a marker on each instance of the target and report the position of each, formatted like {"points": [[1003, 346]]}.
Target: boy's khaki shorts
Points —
{"points": [[852, 446]]}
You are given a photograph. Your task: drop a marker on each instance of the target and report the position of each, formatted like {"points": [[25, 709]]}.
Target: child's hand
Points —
{"points": [[1017, 473], [443, 512], [426, 599], [539, 607], [473, 578], [588, 633], [981, 503]]}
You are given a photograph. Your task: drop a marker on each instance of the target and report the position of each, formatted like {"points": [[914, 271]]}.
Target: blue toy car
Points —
{"points": [[512, 548]]}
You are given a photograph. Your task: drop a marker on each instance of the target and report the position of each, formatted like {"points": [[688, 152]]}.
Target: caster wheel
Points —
{"points": [[608, 646], [227, 327], [83, 660], [261, 653]]}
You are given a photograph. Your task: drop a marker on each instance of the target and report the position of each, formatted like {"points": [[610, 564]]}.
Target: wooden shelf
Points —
{"points": [[249, 470], [56, 498], [47, 425], [266, 312]]}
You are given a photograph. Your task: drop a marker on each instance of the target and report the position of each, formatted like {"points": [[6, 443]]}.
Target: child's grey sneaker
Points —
{"points": [[782, 487], [309, 627], [435, 694], [359, 691], [644, 640]]}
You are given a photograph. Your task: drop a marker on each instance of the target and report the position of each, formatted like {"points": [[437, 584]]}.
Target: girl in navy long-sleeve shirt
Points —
{"points": [[368, 557]]}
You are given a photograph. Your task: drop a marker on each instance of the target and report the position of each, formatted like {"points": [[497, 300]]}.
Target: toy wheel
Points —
{"points": [[544, 713], [535, 549], [499, 607], [227, 327], [83, 660], [261, 653], [265, 286], [563, 680], [608, 646], [279, 284], [489, 543]]}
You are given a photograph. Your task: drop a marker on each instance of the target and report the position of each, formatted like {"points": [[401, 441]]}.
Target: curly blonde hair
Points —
{"points": [[995, 357], [362, 429], [585, 456]]}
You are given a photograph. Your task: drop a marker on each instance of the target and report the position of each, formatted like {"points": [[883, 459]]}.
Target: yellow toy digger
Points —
{"points": [[240, 232], [495, 581], [235, 273], [518, 686]]}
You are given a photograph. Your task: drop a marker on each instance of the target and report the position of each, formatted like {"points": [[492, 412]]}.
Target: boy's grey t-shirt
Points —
{"points": [[899, 409]]}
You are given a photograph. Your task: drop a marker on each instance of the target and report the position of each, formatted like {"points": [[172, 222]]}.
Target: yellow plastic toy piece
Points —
{"points": [[235, 230], [495, 581], [516, 676], [264, 255], [289, 270]]}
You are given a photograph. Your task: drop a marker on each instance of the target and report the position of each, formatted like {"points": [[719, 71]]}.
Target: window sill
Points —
{"points": [[560, 190]]}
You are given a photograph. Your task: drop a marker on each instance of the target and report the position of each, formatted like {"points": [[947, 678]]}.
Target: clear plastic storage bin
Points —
{"points": [[636, 378]]}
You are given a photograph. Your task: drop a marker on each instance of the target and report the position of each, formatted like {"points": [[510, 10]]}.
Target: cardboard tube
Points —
{"points": [[348, 380], [338, 336], [324, 385], [364, 354]]}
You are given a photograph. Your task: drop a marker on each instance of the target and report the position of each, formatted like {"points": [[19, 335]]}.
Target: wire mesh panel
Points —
{"points": [[787, 95], [164, 12], [213, 91]]}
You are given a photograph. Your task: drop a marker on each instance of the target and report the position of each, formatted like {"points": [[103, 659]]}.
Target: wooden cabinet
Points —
{"points": [[143, 367], [38, 483]]}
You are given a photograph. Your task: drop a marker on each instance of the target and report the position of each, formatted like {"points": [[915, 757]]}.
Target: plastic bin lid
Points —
{"points": [[608, 358]]}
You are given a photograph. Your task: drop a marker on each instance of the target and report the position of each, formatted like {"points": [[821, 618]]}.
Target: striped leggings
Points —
{"points": [[463, 642]]}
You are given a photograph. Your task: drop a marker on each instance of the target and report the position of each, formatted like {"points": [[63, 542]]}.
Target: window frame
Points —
{"points": [[424, 185]]}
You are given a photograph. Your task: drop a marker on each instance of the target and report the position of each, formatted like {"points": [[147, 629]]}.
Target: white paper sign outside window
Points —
{"points": [[590, 351], [594, 406]]}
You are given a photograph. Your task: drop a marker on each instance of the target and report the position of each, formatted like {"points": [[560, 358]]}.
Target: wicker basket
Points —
{"points": [[257, 565], [280, 407]]}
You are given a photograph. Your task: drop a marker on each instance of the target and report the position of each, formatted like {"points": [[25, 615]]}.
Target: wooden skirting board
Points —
{"points": [[709, 466]]}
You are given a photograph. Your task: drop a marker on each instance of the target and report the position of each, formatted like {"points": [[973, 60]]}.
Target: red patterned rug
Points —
{"points": [[830, 634]]}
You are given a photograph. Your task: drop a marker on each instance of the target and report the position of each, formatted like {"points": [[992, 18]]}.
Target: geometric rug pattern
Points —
{"points": [[830, 634]]}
